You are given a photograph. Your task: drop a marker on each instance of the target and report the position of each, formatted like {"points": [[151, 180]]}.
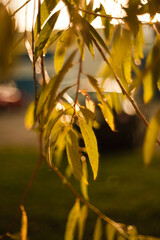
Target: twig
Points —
{"points": [[20, 8], [33, 64], [139, 113], [87, 203], [77, 91], [100, 15]]}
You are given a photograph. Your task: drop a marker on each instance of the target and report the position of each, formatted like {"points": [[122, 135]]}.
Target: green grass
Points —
{"points": [[125, 190]]}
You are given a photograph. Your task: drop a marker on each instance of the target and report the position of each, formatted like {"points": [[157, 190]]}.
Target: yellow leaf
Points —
{"points": [[110, 232], [29, 117], [84, 186], [24, 224], [91, 145], [81, 222], [90, 105], [148, 87], [72, 221], [72, 148], [150, 138], [97, 235]]}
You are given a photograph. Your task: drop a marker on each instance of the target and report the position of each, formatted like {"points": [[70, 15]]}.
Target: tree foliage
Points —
{"points": [[66, 125]]}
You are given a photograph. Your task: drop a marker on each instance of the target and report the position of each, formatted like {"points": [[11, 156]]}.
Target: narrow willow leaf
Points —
{"points": [[44, 95], [72, 147], [50, 143], [58, 79], [158, 84], [24, 224], [108, 114], [150, 138], [45, 34], [105, 105], [120, 52], [51, 124], [53, 39], [117, 101], [110, 232], [91, 145], [138, 45], [127, 68], [90, 105], [84, 186], [88, 115], [60, 51], [82, 221], [29, 120], [98, 38], [72, 221], [45, 10], [120, 237], [60, 145], [97, 235], [148, 87], [84, 31]]}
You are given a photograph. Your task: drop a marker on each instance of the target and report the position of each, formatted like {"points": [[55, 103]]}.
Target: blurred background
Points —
{"points": [[125, 190]]}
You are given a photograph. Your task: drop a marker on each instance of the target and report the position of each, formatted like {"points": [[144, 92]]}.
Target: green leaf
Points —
{"points": [[110, 232], [82, 221], [29, 120], [97, 235], [60, 51], [72, 221], [45, 10], [148, 87], [45, 34], [72, 147], [91, 145], [150, 138]]}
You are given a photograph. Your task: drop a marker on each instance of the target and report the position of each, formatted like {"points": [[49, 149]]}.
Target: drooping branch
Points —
{"points": [[139, 113], [87, 203]]}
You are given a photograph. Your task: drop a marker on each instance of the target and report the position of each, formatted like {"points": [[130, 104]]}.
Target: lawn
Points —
{"points": [[125, 190]]}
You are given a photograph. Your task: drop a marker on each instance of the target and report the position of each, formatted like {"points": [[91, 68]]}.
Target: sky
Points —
{"points": [[25, 16], [111, 8]]}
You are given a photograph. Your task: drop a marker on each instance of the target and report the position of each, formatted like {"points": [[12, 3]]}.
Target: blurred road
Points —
{"points": [[12, 130]]}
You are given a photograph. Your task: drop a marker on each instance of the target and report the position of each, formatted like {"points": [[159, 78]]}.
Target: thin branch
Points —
{"points": [[87, 203], [77, 91], [20, 8], [139, 113], [78, 79], [33, 64], [100, 15]]}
